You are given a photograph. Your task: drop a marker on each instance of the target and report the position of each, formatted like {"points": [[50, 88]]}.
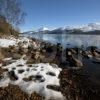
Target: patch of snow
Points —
{"points": [[31, 86], [7, 42]]}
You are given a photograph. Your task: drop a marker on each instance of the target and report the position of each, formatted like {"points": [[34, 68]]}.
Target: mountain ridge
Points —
{"points": [[91, 28]]}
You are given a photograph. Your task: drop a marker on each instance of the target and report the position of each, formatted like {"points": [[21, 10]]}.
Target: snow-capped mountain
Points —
{"points": [[89, 27], [84, 28], [43, 29]]}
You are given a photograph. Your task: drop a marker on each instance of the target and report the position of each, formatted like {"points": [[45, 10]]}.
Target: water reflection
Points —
{"points": [[73, 40]]}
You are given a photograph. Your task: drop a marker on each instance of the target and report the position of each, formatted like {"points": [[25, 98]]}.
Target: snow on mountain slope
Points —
{"points": [[43, 29], [90, 27]]}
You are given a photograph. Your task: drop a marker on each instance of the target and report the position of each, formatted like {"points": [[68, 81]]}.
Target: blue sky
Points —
{"points": [[59, 13]]}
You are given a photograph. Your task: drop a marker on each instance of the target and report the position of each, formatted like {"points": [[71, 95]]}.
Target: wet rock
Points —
{"points": [[96, 60], [73, 62], [12, 75], [51, 73], [73, 51], [78, 63], [87, 54], [95, 54]]}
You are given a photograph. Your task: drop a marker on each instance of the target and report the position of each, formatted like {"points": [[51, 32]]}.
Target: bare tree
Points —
{"points": [[12, 12]]}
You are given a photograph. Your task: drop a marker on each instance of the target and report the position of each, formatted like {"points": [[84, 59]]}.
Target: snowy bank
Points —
{"points": [[38, 73]]}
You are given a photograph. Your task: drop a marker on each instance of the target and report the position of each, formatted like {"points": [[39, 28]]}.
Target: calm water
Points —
{"points": [[70, 40], [76, 40]]}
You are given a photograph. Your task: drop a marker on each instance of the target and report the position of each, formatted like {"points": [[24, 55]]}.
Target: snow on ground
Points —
{"points": [[7, 42], [22, 41], [37, 85], [12, 41]]}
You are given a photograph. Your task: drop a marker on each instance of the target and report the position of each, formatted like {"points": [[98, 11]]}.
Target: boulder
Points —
{"points": [[74, 62], [78, 63], [95, 54]]}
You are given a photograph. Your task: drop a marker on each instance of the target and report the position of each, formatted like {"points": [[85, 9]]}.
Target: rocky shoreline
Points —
{"points": [[24, 56]]}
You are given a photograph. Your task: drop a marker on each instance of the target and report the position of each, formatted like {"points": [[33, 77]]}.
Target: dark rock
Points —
{"points": [[20, 71], [12, 75], [95, 54], [73, 62], [13, 68], [53, 87], [51, 73], [20, 65], [1, 77], [39, 78]]}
